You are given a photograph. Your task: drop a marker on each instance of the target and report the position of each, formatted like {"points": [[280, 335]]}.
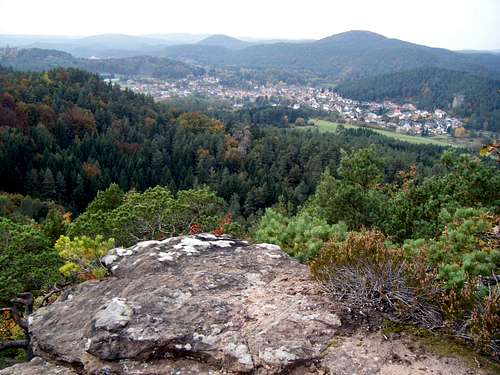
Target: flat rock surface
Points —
{"points": [[374, 353], [209, 305], [215, 301], [37, 366]]}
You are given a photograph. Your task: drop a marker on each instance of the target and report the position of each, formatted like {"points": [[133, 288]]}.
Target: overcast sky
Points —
{"points": [[453, 24]]}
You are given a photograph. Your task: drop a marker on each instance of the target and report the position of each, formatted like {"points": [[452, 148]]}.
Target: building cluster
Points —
{"points": [[8, 51], [404, 118]]}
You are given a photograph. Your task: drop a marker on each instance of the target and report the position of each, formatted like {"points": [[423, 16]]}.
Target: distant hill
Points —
{"points": [[225, 41], [464, 94], [104, 45], [492, 51], [345, 56], [121, 41], [198, 53], [14, 40], [35, 59], [179, 38], [340, 57]]}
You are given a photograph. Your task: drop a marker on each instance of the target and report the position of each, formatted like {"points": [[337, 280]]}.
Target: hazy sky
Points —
{"points": [[454, 24]]}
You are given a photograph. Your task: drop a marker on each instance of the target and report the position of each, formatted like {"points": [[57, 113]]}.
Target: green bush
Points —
{"points": [[459, 252], [154, 214], [27, 260], [448, 282], [357, 198], [82, 256], [301, 236]]}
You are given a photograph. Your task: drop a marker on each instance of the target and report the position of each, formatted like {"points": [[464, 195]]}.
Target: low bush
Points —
{"points": [[82, 256], [449, 282], [152, 215], [301, 236], [367, 273]]}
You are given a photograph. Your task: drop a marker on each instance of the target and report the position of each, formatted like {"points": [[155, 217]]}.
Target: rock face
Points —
{"points": [[194, 304], [205, 305]]}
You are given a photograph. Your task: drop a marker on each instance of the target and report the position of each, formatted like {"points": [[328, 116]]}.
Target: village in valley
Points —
{"points": [[404, 118]]}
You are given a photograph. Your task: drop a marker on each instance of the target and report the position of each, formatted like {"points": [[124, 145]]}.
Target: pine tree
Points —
{"points": [[60, 185], [48, 184], [32, 182]]}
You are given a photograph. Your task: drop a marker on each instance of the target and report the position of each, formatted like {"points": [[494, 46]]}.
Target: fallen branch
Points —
{"points": [[26, 300], [56, 288]]}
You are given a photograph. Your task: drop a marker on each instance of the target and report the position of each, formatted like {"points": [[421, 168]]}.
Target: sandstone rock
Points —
{"points": [[372, 353], [210, 305], [37, 366], [194, 304]]}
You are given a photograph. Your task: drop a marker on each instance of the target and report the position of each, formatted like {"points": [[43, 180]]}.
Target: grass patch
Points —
{"points": [[443, 346], [331, 127]]}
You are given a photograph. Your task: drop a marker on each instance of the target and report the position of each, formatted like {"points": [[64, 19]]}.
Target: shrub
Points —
{"points": [[27, 260], [366, 272], [449, 282], [301, 236], [82, 256], [466, 260], [460, 252], [154, 214]]}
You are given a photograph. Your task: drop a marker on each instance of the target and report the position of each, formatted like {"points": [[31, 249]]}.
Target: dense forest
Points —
{"points": [[86, 166], [66, 134], [474, 98]]}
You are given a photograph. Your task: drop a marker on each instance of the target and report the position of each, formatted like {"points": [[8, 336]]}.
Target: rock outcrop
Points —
{"points": [[194, 305]]}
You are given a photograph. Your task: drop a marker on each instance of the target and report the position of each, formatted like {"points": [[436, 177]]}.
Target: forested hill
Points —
{"points": [[224, 41], [42, 59], [466, 95], [66, 134], [349, 55]]}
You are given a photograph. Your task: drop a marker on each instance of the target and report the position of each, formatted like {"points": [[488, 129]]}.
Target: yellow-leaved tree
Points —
{"points": [[82, 256]]}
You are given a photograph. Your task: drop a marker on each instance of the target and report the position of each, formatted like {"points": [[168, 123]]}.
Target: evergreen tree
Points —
{"points": [[60, 185], [48, 184]]}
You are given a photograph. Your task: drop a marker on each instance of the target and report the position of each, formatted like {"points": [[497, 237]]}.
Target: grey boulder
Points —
{"points": [[190, 305]]}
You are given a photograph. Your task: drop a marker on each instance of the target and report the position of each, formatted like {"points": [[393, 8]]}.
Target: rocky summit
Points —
{"points": [[204, 305], [196, 304]]}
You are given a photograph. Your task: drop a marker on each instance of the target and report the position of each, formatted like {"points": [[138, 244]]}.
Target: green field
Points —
{"points": [[328, 126]]}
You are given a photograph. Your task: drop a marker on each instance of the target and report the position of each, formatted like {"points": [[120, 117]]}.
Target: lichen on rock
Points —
{"points": [[192, 305], [218, 302]]}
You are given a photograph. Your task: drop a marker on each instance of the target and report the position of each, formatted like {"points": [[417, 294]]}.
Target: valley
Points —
{"points": [[388, 118], [311, 199]]}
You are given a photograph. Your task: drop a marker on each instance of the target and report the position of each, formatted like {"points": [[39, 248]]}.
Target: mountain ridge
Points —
{"points": [[224, 41], [34, 59], [350, 55]]}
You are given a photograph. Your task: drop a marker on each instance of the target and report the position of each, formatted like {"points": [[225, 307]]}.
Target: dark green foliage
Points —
{"points": [[154, 214], [70, 135], [411, 208], [416, 210], [27, 260], [458, 253], [301, 236], [356, 198], [55, 224]]}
